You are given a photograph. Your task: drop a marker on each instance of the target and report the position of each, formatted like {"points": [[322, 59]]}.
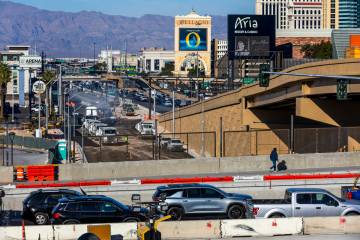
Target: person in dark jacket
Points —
{"points": [[274, 158]]}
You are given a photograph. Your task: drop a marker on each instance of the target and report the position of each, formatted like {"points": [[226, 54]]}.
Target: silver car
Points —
{"points": [[305, 202], [186, 200]]}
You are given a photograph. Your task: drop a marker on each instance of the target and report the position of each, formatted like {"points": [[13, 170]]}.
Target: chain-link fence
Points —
{"points": [[28, 142], [305, 140], [244, 143], [196, 144]]}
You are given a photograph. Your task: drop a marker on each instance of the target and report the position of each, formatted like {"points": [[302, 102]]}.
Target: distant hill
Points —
{"points": [[62, 34]]}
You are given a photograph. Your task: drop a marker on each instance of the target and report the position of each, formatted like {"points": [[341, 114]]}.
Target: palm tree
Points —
{"points": [[47, 77], [5, 77]]}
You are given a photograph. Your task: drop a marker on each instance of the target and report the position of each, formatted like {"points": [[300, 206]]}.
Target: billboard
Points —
{"points": [[30, 62], [250, 36], [193, 39]]}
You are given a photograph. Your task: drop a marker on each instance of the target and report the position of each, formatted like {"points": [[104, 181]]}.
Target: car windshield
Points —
{"points": [[111, 131], [176, 141]]}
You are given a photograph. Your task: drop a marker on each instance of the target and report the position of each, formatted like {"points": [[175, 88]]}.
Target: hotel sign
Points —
{"points": [[30, 62]]}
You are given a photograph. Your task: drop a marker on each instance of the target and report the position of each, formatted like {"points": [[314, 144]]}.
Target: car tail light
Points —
{"points": [[56, 215], [255, 211]]}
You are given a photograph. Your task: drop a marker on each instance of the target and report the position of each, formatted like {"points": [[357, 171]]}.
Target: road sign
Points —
{"points": [[39, 87]]}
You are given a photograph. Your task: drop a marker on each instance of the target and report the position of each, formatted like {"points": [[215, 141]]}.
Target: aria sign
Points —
{"points": [[250, 36], [39, 87], [30, 62]]}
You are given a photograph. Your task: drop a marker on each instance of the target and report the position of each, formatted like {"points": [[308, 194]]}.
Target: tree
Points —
{"points": [[193, 73], [47, 77], [167, 69], [5, 77], [321, 50]]}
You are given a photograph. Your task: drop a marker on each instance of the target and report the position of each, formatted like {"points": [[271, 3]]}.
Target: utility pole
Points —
{"points": [[149, 98], [94, 55]]}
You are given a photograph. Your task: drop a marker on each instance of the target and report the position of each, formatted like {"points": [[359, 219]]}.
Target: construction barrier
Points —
{"points": [[261, 227], [332, 225], [65, 232], [40, 173], [20, 174], [65, 184], [187, 180], [190, 230], [212, 229], [310, 176]]}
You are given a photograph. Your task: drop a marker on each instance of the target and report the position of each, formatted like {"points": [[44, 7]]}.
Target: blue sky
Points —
{"points": [[141, 7]]}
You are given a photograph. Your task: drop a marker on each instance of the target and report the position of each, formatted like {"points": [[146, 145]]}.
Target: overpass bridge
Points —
{"points": [[310, 100]]}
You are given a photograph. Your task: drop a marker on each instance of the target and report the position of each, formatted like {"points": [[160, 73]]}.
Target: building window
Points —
{"points": [[157, 65], [148, 65]]}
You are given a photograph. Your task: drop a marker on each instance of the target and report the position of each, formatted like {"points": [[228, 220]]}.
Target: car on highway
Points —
{"points": [[175, 145], [145, 127], [95, 126], [305, 202], [94, 209], [203, 200], [164, 142], [167, 103], [88, 122], [38, 205], [108, 134]]}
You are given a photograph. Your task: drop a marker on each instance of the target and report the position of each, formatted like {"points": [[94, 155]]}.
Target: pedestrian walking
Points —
{"points": [[274, 158]]}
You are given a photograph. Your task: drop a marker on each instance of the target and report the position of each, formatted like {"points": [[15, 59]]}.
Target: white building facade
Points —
{"points": [[293, 14], [23, 67], [152, 60]]}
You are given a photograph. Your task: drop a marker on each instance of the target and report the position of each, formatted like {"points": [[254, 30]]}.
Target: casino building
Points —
{"points": [[192, 44]]}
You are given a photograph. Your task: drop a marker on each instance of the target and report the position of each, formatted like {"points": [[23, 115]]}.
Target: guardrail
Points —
{"points": [[209, 229]]}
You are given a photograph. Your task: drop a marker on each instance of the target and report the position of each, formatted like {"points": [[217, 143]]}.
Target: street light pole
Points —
{"points": [[12, 137], [173, 113]]}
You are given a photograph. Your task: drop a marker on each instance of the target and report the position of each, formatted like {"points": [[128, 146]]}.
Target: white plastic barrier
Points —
{"points": [[64, 232], [190, 230], [261, 227], [332, 225]]}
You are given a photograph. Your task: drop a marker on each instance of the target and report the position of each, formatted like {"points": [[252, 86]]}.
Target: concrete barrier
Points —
{"points": [[332, 225], [190, 230], [261, 227], [6, 175], [115, 170], [178, 167], [64, 232]]}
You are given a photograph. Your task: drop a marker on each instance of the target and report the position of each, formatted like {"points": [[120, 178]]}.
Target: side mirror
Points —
{"points": [[135, 198], [162, 197]]}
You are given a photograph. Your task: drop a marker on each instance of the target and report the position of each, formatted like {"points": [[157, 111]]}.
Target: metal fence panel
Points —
{"points": [[305, 140], [237, 143]]}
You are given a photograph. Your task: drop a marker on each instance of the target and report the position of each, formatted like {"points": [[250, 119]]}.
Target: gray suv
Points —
{"points": [[203, 200]]}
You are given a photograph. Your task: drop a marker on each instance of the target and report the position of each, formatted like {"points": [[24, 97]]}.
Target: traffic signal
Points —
{"points": [[342, 89], [264, 78]]}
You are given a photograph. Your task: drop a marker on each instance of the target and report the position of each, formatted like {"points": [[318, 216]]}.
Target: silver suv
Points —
{"points": [[202, 199]]}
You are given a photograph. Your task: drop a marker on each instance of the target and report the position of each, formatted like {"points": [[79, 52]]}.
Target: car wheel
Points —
{"points": [[41, 218], [71, 221], [131, 220], [352, 214], [236, 212], [176, 213], [277, 215]]}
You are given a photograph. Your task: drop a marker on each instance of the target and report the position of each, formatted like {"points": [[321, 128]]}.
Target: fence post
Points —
{"points": [[224, 147], [215, 144], [221, 137], [316, 140], [187, 142]]}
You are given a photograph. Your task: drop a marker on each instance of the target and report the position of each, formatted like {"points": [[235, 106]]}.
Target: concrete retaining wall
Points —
{"points": [[6, 175], [213, 229], [123, 170]]}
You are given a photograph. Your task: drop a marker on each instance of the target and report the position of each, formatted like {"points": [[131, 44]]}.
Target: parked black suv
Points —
{"points": [[38, 205], [94, 209]]}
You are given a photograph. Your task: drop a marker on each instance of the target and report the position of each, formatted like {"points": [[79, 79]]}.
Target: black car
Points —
{"points": [[38, 205], [95, 209]]}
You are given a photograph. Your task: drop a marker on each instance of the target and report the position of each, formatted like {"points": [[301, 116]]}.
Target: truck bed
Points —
{"points": [[270, 201]]}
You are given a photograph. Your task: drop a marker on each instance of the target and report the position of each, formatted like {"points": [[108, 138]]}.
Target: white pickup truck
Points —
{"points": [[305, 202]]}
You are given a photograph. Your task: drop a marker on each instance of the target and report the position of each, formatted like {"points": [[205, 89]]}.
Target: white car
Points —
{"points": [[108, 134], [167, 104], [175, 145], [145, 128], [94, 127], [88, 122]]}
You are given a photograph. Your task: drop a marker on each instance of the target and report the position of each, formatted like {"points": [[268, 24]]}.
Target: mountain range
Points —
{"points": [[66, 34]]}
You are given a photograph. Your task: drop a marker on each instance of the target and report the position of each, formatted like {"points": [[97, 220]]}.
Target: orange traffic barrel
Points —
{"points": [[20, 174]]}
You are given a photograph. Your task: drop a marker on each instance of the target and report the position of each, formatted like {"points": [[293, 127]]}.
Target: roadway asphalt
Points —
{"points": [[26, 157]]}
